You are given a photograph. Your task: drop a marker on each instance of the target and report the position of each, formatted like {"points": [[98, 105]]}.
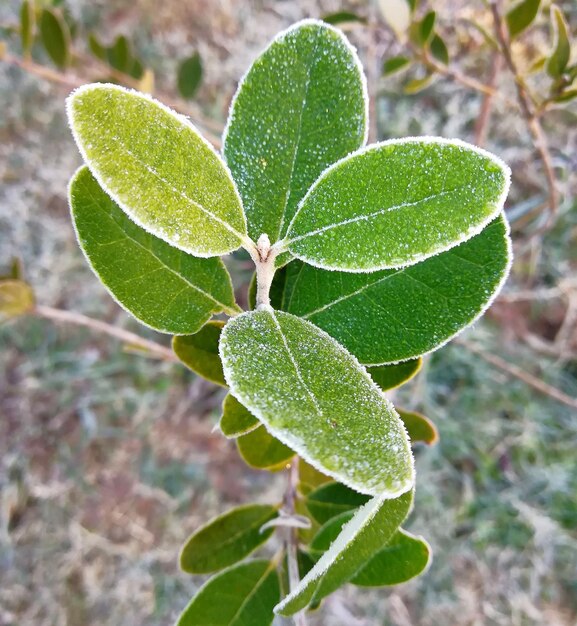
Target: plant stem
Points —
{"points": [[70, 317], [263, 255]]}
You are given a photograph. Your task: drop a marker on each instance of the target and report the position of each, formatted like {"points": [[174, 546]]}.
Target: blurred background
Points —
{"points": [[108, 459]]}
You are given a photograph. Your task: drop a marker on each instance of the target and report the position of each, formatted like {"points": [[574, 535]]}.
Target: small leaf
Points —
{"points": [[561, 54], [15, 272], [164, 288], [243, 595], [199, 352], [332, 499], [417, 85], [419, 427], [139, 149], [371, 528], [301, 106], [27, 20], [118, 55], [310, 478], [397, 203], [521, 16], [189, 76], [567, 96], [439, 50], [393, 376], [236, 420], [395, 315], [396, 64], [343, 17], [314, 396], [16, 298], [261, 450], [427, 27], [55, 37], [97, 49], [397, 14], [226, 539]]}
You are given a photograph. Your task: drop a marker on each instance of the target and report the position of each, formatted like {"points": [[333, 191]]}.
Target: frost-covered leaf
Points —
{"points": [[199, 352], [226, 539], [521, 16], [332, 499], [55, 37], [301, 106], [419, 427], [236, 420], [189, 75], [314, 396], [394, 315], [158, 168], [243, 595], [261, 450], [397, 203], [16, 298], [161, 286], [392, 376], [561, 54], [369, 531]]}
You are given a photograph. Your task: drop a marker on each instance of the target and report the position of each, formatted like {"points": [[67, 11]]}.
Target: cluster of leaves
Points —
{"points": [[51, 25], [366, 259]]}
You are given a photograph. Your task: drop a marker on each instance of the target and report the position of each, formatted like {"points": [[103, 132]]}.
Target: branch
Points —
{"points": [[70, 317]]}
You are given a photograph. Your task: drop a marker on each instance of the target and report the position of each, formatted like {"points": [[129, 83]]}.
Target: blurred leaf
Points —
{"points": [[27, 23], [243, 595], [189, 76], [439, 50], [417, 85], [341, 17], [16, 272], [118, 55], [487, 36], [332, 499], [397, 14], [538, 65], [199, 352], [97, 49], [261, 450], [16, 298], [392, 376], [427, 27], [395, 64], [226, 539], [55, 37], [419, 427], [142, 74], [236, 419], [310, 478], [561, 54], [567, 96], [521, 16]]}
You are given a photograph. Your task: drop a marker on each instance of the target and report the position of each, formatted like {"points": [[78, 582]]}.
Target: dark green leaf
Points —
{"points": [[332, 499], [393, 65], [521, 16], [261, 450], [439, 50], [97, 49], [561, 54], [199, 352], [343, 17], [227, 539], [161, 286], [419, 427], [136, 70], [243, 595], [567, 96], [427, 27], [236, 420], [27, 19], [190, 76], [392, 376], [118, 55], [55, 37]]}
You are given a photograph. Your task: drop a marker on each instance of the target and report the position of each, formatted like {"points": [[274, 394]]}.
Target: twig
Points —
{"points": [[530, 114], [70, 317], [517, 372], [487, 105]]}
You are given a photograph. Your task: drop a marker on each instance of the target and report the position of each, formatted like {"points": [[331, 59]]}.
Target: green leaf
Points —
{"points": [[343, 17], [394, 315], [158, 168], [27, 19], [118, 55], [199, 352], [521, 16], [16, 298], [393, 376], [261, 450], [366, 533], [243, 595], [396, 64], [310, 478], [332, 499], [439, 50], [417, 85], [397, 203], [97, 49], [427, 27], [164, 288], [236, 420], [559, 58], [397, 14], [419, 427], [55, 37], [315, 397], [227, 539], [301, 106], [189, 76], [567, 96]]}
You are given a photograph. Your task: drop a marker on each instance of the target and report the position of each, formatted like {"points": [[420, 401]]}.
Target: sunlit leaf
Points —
{"points": [[190, 76], [261, 450], [16, 298], [199, 352], [416, 85], [55, 37], [236, 420], [392, 376]]}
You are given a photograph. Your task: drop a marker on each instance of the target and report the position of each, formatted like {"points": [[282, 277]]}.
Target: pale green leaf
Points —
{"points": [[393, 376], [310, 478], [559, 58], [261, 450], [397, 14], [521, 16], [158, 168], [419, 427], [190, 76], [27, 20], [332, 499], [371, 528], [315, 397], [16, 298], [236, 420], [161, 286], [301, 106], [199, 352], [397, 203], [416, 85], [243, 595], [394, 315], [55, 37], [227, 539]]}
